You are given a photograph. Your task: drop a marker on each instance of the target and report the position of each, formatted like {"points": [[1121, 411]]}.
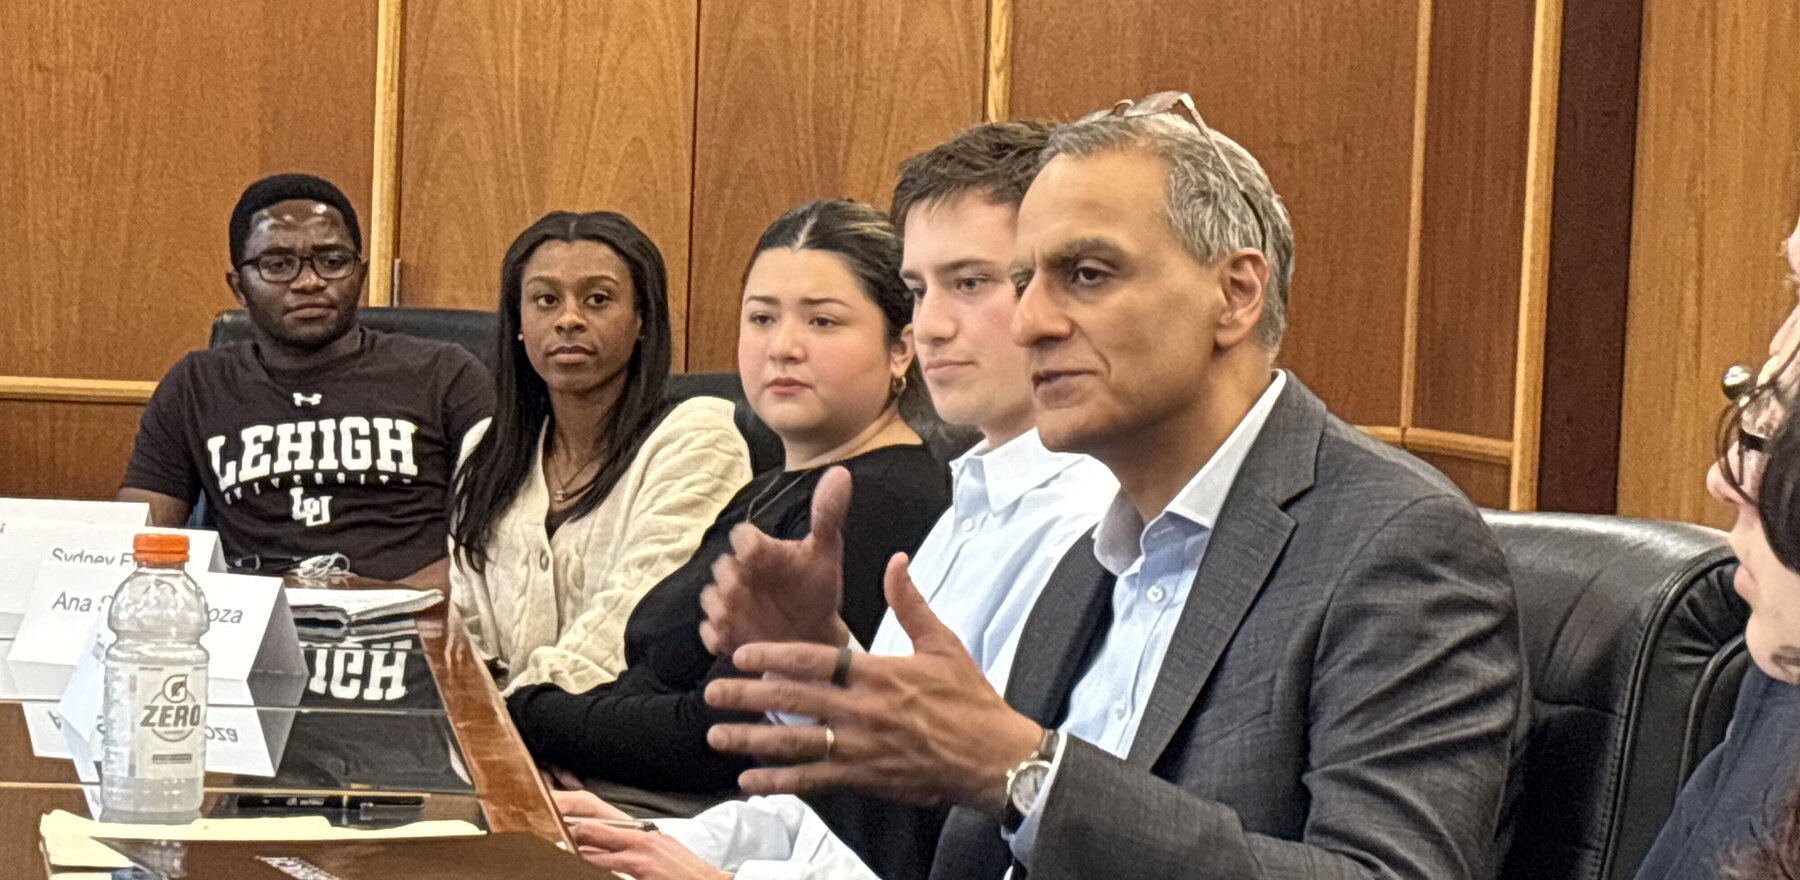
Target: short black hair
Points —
{"points": [[997, 160], [287, 187]]}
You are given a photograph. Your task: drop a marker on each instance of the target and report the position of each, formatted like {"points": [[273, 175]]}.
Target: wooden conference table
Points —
{"points": [[400, 757]]}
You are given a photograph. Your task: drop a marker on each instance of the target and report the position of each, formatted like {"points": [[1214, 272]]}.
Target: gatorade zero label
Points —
{"points": [[167, 743]]}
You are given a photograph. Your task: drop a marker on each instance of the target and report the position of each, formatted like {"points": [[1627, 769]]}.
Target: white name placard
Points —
{"points": [[122, 513], [27, 544], [239, 739], [252, 630], [236, 741]]}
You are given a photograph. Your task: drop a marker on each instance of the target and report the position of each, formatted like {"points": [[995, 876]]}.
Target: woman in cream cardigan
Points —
{"points": [[586, 490]]}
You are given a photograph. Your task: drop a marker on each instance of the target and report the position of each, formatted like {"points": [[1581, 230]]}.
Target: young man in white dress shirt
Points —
{"points": [[1016, 506]]}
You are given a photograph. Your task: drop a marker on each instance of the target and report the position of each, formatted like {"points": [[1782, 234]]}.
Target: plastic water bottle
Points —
{"points": [[154, 728]]}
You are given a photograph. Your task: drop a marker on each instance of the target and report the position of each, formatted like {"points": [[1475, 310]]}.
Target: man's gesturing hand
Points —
{"points": [[767, 589], [926, 729]]}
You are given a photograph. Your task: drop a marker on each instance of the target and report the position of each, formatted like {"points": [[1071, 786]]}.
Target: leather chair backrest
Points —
{"points": [[1633, 642], [476, 331], [472, 330], [765, 447]]}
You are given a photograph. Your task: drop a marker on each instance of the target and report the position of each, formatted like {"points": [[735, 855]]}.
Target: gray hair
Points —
{"points": [[1205, 210]]}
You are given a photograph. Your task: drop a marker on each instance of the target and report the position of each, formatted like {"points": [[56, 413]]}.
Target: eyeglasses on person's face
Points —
{"points": [[282, 267], [1753, 414]]}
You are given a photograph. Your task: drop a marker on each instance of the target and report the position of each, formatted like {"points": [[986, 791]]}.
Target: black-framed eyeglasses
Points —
{"points": [[1170, 102], [282, 267], [1750, 420]]}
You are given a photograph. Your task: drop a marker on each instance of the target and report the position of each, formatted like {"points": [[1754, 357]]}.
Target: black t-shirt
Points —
{"points": [[648, 728], [353, 456], [386, 675]]}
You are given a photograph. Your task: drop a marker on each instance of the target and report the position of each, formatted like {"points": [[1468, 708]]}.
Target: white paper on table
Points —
{"points": [[87, 764], [124, 513], [357, 606], [82, 706]]}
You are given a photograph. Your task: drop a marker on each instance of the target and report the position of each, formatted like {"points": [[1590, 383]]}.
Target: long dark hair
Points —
{"points": [[1778, 492], [870, 246], [1776, 855], [498, 467]]}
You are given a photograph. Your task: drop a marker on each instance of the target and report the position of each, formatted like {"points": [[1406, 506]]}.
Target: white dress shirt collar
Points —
{"points": [[1118, 540], [1008, 471]]}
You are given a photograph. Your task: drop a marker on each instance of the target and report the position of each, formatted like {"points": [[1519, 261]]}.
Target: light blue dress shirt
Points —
{"points": [[1155, 565], [1015, 510]]}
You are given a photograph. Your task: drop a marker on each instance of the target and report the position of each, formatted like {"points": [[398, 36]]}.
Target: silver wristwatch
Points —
{"points": [[1026, 781]]}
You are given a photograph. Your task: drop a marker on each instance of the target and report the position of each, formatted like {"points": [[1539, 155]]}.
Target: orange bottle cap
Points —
{"points": [[160, 548]]}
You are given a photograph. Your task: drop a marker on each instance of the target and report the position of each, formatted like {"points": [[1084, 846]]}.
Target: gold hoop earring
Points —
{"points": [[898, 386]]}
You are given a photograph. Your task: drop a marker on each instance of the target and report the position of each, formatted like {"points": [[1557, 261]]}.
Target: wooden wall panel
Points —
{"points": [[810, 99], [128, 131], [65, 450], [1471, 235], [1323, 94], [1486, 483], [1717, 187], [1590, 257], [512, 109]]}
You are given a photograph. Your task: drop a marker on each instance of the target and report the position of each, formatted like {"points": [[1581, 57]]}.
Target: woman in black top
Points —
{"points": [[825, 355]]}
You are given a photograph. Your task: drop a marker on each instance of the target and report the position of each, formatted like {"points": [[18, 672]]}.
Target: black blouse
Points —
{"points": [[648, 728], [1738, 793]]}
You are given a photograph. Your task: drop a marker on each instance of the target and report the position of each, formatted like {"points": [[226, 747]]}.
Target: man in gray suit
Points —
{"points": [[1287, 651]]}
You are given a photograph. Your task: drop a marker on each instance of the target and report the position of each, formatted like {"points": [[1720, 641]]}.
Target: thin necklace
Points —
{"points": [[750, 514], [562, 494], [750, 511]]}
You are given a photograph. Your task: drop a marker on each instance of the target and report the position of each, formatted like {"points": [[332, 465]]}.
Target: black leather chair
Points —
{"points": [[765, 447], [1634, 650], [470, 329], [476, 331]]}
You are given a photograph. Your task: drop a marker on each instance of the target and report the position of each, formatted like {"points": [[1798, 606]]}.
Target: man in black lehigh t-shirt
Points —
{"points": [[319, 435]]}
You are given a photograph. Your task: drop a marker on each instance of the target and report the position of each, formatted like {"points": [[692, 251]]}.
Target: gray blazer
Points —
{"points": [[1342, 698]]}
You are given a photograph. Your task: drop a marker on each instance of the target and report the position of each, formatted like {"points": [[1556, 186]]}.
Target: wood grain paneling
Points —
{"points": [[515, 109], [384, 181], [65, 450], [1590, 257], [810, 99], [513, 793], [1477, 116], [1486, 483], [128, 131], [126, 391], [1717, 186], [1323, 94], [997, 91], [1534, 269], [1466, 446]]}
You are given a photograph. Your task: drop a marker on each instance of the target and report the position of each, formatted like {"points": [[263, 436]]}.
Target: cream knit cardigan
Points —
{"points": [[553, 609]]}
